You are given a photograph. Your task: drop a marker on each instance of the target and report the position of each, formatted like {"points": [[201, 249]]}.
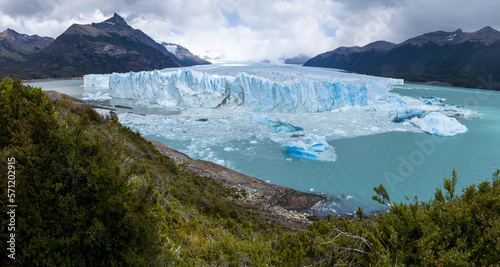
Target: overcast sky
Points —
{"points": [[258, 29]]}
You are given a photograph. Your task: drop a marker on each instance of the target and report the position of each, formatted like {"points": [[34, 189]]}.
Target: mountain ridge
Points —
{"points": [[105, 47], [457, 58]]}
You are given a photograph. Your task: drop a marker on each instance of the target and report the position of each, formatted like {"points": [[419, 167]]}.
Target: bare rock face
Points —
{"points": [[269, 195]]}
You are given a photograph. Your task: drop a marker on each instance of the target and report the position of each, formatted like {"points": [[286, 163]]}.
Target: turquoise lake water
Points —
{"points": [[406, 163]]}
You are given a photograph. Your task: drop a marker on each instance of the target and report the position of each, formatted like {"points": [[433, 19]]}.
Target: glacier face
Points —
{"points": [[96, 80], [258, 88]]}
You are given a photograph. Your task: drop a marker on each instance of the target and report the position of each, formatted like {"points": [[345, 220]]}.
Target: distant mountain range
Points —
{"points": [[17, 48], [109, 46], [457, 58], [300, 59]]}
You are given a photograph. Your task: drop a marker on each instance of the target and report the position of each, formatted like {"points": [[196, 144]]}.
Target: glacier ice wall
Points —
{"points": [[96, 80], [272, 90]]}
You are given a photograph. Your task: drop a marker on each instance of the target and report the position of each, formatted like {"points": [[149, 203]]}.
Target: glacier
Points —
{"points": [[96, 80], [215, 105], [256, 88]]}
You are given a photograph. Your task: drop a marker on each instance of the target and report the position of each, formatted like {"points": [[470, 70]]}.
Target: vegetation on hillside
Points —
{"points": [[91, 192]]}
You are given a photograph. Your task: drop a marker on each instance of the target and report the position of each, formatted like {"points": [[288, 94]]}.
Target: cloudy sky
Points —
{"points": [[258, 29]]}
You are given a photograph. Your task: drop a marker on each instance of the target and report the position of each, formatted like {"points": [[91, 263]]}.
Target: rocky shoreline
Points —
{"points": [[274, 201]]}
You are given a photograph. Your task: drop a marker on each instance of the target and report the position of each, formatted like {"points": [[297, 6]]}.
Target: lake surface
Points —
{"points": [[406, 161]]}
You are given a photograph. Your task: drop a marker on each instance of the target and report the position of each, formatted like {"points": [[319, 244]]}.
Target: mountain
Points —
{"points": [[300, 59], [350, 58], [16, 48], [458, 58], [184, 55], [439, 38], [105, 47]]}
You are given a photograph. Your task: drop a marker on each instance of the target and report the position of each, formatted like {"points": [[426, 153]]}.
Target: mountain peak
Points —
{"points": [[116, 19], [487, 28], [486, 36], [438, 37], [9, 32]]}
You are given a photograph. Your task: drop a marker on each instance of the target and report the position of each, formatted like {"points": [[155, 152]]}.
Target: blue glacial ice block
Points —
{"points": [[432, 100], [399, 115], [300, 151], [311, 150], [281, 127]]}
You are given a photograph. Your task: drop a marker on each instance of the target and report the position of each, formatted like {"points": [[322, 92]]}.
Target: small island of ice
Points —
{"points": [[312, 150], [99, 96], [439, 124]]}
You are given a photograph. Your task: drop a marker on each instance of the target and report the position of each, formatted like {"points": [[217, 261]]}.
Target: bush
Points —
{"points": [[75, 206]]}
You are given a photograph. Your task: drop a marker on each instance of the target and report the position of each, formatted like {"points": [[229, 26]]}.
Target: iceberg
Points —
{"points": [[312, 150], [399, 115], [439, 124], [271, 89], [432, 100], [96, 80], [281, 127], [99, 96]]}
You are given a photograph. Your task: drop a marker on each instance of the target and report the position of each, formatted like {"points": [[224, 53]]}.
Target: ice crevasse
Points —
{"points": [[192, 88]]}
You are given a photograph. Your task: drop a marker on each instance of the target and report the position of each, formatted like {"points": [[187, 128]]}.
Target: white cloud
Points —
{"points": [[261, 29]]}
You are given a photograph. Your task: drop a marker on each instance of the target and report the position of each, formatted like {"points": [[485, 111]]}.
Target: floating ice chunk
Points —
{"points": [[97, 96], [312, 150], [432, 100], [281, 127], [439, 124], [399, 115]]}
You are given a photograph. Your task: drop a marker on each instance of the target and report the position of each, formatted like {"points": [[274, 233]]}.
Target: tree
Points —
{"points": [[382, 196]]}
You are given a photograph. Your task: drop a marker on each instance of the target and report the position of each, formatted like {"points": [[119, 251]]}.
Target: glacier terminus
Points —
{"points": [[300, 108]]}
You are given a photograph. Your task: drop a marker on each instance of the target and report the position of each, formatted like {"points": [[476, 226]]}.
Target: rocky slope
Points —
{"points": [[350, 58], [16, 48], [109, 46], [184, 55]]}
